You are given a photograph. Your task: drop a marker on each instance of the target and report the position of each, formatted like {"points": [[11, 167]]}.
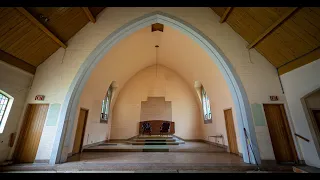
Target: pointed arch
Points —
{"points": [[69, 108]]}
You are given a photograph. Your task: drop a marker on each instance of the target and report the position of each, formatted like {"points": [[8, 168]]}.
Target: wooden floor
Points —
{"points": [[122, 146], [133, 162]]}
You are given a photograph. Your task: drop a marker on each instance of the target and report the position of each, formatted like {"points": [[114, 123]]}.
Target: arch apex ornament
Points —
{"points": [[67, 116]]}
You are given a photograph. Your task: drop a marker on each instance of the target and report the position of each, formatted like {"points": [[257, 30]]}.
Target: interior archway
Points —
{"points": [[69, 109]]}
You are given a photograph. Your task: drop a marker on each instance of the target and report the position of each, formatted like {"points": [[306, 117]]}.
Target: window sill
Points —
{"points": [[208, 121]]}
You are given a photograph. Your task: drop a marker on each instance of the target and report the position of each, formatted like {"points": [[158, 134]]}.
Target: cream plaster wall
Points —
{"points": [[258, 76], [16, 83], [185, 111]]}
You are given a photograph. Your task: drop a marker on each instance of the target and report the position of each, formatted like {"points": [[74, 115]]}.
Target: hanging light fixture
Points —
{"points": [[156, 46]]}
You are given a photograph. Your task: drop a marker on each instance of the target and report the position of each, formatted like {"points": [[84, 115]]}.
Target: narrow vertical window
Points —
{"points": [[106, 106], [206, 106]]}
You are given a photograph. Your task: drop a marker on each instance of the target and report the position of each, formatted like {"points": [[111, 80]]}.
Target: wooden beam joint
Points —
{"points": [[273, 27], [89, 14], [226, 14], [40, 26], [14, 61]]}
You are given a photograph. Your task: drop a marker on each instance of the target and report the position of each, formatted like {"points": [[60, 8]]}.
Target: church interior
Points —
{"points": [[161, 89]]}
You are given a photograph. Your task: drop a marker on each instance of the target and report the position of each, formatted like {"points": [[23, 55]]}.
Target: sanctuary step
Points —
{"points": [[155, 140], [153, 143]]}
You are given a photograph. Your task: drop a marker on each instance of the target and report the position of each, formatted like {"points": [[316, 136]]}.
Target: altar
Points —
{"points": [[156, 126]]}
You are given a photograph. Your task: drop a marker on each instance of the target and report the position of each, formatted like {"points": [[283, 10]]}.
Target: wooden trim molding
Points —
{"points": [[274, 26], [301, 61], [226, 14], [14, 61], [41, 26], [42, 161], [89, 14]]}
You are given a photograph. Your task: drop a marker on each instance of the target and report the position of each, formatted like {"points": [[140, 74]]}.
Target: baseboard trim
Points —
{"points": [[118, 140], [70, 154], [274, 162], [88, 145], [42, 161], [6, 163], [94, 144]]}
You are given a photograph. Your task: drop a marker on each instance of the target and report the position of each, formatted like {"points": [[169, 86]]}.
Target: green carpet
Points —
{"points": [[155, 148]]}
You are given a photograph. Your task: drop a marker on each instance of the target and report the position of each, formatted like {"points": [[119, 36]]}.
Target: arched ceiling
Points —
{"points": [[177, 51]]}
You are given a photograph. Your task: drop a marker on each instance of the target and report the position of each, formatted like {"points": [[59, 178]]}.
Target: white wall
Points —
{"points": [[258, 76], [16, 83], [297, 84]]}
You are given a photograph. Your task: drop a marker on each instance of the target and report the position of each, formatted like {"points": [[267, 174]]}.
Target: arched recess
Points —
{"points": [[242, 108]]}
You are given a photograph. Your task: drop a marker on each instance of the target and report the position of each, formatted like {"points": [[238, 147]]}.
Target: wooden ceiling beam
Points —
{"points": [[14, 61], [89, 14], [41, 26], [274, 26], [300, 61], [226, 14]]}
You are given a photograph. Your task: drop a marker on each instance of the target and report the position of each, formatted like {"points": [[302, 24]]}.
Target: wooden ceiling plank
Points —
{"points": [[243, 23], [301, 61], [89, 14], [271, 54], [276, 24], [218, 10], [303, 31], [226, 14], [41, 26], [96, 11], [64, 22], [14, 61], [15, 34]]}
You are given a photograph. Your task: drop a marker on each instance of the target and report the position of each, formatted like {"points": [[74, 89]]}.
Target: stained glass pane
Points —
{"points": [[206, 105]]}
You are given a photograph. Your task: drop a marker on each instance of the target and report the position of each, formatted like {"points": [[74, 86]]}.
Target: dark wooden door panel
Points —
{"points": [[78, 140], [280, 133], [31, 132], [231, 133]]}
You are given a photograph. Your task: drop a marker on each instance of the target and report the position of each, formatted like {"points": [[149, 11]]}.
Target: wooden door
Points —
{"points": [[31, 132], [78, 140], [281, 138], [231, 133]]}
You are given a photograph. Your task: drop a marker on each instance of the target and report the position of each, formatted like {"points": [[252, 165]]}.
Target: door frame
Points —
{"points": [[288, 125], [315, 134], [83, 130], [22, 123], [235, 132]]}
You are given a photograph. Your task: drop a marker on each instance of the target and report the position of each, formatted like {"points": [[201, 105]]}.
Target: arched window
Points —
{"points": [[106, 106], [5, 105], [206, 106]]}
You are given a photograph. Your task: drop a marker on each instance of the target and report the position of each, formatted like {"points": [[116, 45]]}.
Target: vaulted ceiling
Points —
{"points": [[28, 36], [288, 37]]}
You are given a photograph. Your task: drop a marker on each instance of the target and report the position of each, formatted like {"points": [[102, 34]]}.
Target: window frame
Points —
{"points": [[105, 106], [7, 110], [206, 106]]}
